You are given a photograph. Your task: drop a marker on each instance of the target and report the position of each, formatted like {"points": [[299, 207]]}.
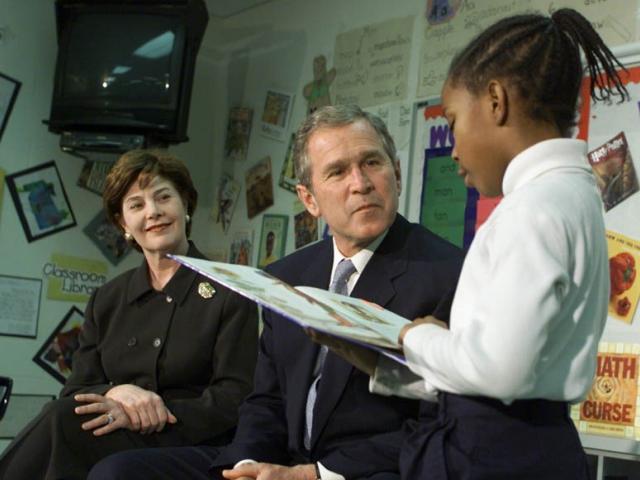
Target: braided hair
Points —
{"points": [[540, 57]]}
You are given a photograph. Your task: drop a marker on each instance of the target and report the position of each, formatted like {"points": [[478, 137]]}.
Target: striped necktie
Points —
{"points": [[341, 277]]}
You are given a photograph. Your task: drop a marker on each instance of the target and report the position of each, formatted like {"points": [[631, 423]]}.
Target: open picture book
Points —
{"points": [[346, 317]]}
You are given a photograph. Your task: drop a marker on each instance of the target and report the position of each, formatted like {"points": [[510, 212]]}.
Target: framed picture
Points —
{"points": [[93, 175], [241, 248], [107, 238], [55, 354], [259, 187], [236, 144], [273, 239], [305, 228], [41, 201], [9, 88], [276, 113], [226, 200], [288, 179], [20, 411], [19, 306]]}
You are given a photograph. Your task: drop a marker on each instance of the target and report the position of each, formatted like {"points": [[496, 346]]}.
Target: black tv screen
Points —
{"points": [[124, 68]]}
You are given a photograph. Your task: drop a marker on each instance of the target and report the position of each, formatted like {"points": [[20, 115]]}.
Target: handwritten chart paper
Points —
{"points": [[19, 306], [372, 63], [614, 20]]}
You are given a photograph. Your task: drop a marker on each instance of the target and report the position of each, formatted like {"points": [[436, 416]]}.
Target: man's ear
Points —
{"points": [[398, 173], [308, 200], [498, 96]]}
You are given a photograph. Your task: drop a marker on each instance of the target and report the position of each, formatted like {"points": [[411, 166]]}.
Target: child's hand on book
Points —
{"points": [[429, 319], [362, 358]]}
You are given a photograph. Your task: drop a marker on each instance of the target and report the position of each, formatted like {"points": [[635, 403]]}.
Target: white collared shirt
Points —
{"points": [[359, 260], [532, 298]]}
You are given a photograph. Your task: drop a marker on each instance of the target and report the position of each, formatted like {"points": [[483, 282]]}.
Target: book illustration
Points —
{"points": [[288, 179], [93, 175], [276, 114], [611, 406], [228, 192], [624, 258], [259, 187], [349, 318], [241, 248], [272, 239], [43, 206], [107, 238], [306, 228], [614, 171], [236, 144]]}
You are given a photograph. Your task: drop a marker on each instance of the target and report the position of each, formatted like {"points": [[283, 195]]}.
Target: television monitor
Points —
{"points": [[126, 66]]}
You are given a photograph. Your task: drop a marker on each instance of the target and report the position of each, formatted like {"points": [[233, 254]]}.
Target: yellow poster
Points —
{"points": [[73, 279], [611, 407], [624, 259]]}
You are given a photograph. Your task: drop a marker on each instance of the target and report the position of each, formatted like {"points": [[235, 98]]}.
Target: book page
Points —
{"points": [[361, 312], [284, 299]]}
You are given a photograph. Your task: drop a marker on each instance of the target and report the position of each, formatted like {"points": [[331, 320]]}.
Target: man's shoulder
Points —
{"points": [[289, 267]]}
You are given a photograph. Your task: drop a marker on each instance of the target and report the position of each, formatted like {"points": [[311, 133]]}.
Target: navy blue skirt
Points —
{"points": [[476, 438]]}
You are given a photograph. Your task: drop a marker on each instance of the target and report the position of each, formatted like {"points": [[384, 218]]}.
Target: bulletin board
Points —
{"points": [[609, 419]]}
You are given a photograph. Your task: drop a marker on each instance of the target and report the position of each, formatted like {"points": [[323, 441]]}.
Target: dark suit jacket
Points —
{"points": [[176, 343], [355, 433]]}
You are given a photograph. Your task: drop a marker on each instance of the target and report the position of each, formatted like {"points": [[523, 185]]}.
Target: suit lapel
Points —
{"points": [[316, 274], [375, 285]]}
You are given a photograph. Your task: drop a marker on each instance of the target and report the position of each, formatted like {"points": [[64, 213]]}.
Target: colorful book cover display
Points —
{"points": [[613, 168], [611, 407], [241, 247], [624, 258], [259, 187], [236, 144], [227, 198], [306, 228], [273, 239]]}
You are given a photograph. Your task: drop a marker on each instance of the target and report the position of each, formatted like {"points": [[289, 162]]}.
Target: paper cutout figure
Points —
{"points": [[317, 91]]}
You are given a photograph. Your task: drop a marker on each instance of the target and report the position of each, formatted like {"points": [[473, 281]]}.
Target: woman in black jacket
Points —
{"points": [[165, 356]]}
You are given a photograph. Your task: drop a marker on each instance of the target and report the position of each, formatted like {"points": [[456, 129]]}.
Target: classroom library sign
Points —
{"points": [[73, 279], [611, 408]]}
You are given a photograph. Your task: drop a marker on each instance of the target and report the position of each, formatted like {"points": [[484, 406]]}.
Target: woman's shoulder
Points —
{"points": [[117, 285]]}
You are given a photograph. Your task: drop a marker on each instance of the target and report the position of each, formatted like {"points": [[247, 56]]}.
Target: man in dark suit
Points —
{"points": [[348, 173]]}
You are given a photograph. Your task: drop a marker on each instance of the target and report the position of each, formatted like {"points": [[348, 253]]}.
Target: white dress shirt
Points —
{"points": [[532, 298]]}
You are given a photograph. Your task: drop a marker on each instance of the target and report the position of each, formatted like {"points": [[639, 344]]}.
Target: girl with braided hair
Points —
{"points": [[531, 303]]}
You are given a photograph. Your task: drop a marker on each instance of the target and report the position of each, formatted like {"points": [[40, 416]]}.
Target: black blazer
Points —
{"points": [[355, 433], [197, 353]]}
